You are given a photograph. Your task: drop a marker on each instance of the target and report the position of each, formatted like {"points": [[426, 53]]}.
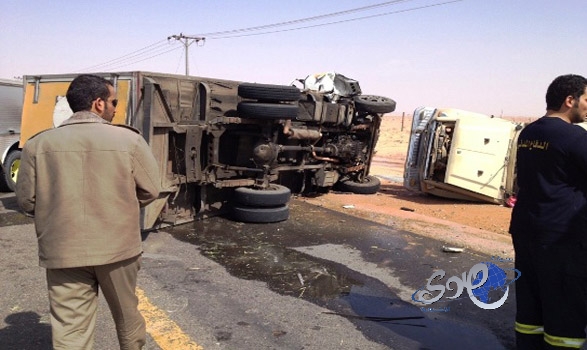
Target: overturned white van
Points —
{"points": [[462, 155]]}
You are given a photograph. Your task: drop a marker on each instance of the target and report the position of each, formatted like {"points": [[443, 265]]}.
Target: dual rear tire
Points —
{"points": [[261, 205], [264, 102], [268, 102]]}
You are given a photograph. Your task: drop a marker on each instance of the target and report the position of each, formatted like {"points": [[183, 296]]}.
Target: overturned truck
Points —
{"points": [[462, 155], [229, 147]]}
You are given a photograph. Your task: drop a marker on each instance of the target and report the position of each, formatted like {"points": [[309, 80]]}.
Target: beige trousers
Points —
{"points": [[73, 298]]}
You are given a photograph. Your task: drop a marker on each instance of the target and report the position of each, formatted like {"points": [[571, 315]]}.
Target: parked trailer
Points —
{"points": [[11, 95], [229, 147]]}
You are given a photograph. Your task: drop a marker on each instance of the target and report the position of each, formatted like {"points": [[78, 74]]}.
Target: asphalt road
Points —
{"points": [[320, 280]]}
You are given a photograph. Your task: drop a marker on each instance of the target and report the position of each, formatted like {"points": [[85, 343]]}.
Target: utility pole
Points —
{"points": [[187, 40]]}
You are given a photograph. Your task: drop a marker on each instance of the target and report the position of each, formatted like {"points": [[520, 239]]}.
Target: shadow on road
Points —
{"points": [[8, 202], [25, 331]]}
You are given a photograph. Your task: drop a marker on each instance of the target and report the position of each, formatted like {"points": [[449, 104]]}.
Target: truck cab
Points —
{"points": [[462, 155]]}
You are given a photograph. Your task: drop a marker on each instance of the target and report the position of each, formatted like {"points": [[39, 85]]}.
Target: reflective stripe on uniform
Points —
{"points": [[529, 328], [564, 342]]}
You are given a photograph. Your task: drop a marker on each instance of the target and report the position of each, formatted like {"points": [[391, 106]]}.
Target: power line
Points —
{"points": [[152, 56], [156, 47], [303, 20], [338, 22], [179, 61], [159, 48], [126, 62]]}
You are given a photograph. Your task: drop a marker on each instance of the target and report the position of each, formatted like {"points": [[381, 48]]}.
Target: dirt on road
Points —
{"points": [[474, 226]]}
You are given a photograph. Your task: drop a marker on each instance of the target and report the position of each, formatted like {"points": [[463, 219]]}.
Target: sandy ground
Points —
{"points": [[473, 226]]}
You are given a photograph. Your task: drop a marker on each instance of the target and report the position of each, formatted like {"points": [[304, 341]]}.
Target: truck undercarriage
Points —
{"points": [[238, 148]]}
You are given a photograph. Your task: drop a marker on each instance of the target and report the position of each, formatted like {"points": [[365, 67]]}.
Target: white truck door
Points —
{"points": [[478, 155]]}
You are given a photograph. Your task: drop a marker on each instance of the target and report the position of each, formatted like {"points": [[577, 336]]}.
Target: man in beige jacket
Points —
{"points": [[85, 182]]}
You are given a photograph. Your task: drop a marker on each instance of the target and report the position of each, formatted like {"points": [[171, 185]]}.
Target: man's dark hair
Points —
{"points": [[84, 89], [563, 86]]}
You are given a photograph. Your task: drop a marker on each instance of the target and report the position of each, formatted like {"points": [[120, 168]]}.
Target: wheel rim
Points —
{"points": [[14, 167]]}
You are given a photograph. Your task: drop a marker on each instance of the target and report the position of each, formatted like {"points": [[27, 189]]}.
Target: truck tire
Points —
{"points": [[3, 183], [258, 110], [260, 215], [273, 196], [268, 92], [370, 185], [10, 171], [374, 104]]}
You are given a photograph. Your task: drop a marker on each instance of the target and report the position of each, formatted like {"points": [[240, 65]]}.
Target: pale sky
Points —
{"points": [[489, 56]]}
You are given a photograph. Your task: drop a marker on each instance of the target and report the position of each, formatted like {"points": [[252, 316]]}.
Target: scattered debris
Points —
{"points": [[380, 319], [279, 333], [223, 335], [452, 249], [348, 206], [15, 308], [301, 278]]}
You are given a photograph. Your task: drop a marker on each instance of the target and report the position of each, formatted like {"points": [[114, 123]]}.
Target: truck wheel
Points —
{"points": [[374, 104], [260, 215], [274, 195], [268, 92], [370, 185], [258, 110], [10, 173]]}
